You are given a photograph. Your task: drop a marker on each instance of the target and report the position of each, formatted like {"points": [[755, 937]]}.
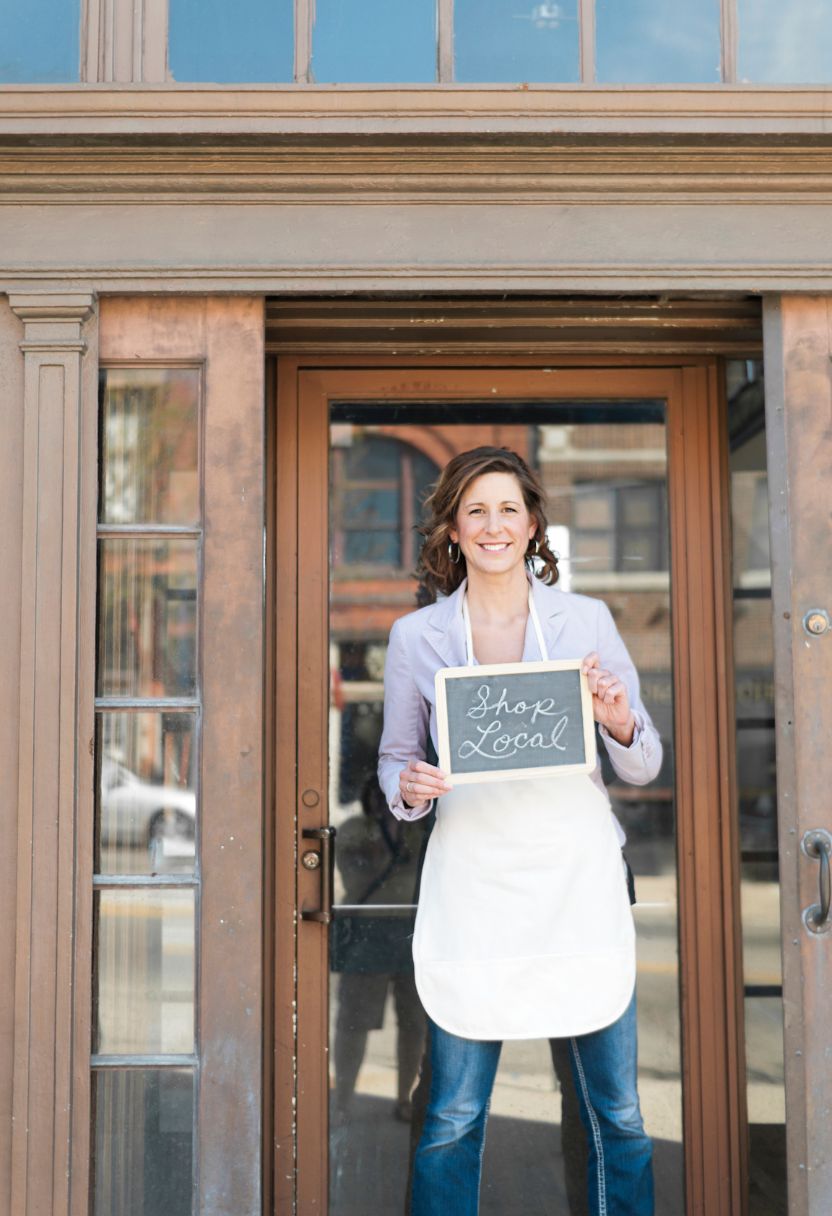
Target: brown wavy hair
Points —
{"points": [[436, 572]]}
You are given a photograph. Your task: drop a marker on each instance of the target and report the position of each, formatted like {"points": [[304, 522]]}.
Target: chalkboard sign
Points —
{"points": [[511, 720]]}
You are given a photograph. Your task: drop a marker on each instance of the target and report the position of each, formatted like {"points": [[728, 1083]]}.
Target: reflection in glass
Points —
{"points": [[147, 618], [374, 42], [602, 517], [657, 41], [149, 445], [143, 1142], [516, 40], [248, 42], [757, 787], [145, 792], [784, 42], [39, 41], [144, 992]]}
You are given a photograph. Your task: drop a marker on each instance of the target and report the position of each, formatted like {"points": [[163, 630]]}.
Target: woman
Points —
{"points": [[524, 927]]}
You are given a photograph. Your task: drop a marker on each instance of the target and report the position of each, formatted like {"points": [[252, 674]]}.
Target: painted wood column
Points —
{"points": [[55, 706], [798, 366], [124, 42]]}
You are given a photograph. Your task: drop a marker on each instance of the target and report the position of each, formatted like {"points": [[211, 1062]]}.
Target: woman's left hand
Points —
{"points": [[610, 701]]}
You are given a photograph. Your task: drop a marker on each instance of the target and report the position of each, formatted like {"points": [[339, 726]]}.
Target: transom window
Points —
{"points": [[445, 41]]}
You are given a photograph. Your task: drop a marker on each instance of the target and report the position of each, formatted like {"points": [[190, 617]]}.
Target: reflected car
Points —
{"points": [[138, 813]]}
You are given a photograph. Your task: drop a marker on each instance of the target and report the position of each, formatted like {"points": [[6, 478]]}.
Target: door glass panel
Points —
{"points": [[516, 40], [374, 42], [657, 41], [757, 788], [609, 526]]}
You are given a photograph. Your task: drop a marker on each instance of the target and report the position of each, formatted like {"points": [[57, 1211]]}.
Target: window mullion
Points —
{"points": [[304, 20], [586, 39], [445, 41], [728, 40]]}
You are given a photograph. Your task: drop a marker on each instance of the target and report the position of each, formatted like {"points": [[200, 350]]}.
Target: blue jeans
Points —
{"points": [[447, 1167]]}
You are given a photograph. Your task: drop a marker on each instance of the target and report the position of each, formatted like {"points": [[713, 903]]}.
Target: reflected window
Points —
{"points": [[379, 488], [785, 43], [248, 42], [39, 42], [516, 40], [658, 41], [620, 528], [375, 42]]}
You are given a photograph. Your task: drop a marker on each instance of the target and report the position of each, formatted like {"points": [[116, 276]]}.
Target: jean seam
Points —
{"points": [[596, 1130], [482, 1147]]}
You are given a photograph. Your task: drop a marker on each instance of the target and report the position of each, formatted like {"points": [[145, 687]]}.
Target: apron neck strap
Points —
{"points": [[469, 638]]}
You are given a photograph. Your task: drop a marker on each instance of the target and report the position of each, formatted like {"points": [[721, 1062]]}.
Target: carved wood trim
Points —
{"points": [[54, 716]]}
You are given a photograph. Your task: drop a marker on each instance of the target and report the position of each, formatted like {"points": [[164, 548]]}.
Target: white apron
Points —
{"points": [[524, 928]]}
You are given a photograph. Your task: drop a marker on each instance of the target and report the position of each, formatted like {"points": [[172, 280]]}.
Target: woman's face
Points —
{"points": [[493, 527]]}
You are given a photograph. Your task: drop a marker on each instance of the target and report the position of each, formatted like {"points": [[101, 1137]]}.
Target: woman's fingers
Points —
{"points": [[603, 684], [421, 780]]}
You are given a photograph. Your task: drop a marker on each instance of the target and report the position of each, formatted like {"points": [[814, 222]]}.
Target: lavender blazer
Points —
{"points": [[434, 637]]}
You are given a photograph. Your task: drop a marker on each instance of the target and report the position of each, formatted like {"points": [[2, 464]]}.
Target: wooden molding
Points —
{"points": [[53, 715], [558, 111], [798, 343]]}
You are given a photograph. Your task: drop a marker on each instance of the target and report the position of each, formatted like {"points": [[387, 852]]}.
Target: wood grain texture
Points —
{"points": [[798, 350]]}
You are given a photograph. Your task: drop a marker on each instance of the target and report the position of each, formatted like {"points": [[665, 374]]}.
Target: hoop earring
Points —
{"points": [[455, 560]]}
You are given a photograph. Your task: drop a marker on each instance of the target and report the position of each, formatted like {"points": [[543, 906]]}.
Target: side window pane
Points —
{"points": [[39, 41], [374, 42], [144, 998], [143, 1142], [149, 446], [147, 618], [250, 41], [503, 41], [657, 41], [145, 793]]}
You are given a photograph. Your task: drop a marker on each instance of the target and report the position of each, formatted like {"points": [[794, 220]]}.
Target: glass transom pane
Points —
{"points": [[785, 41], [250, 41], [145, 972], [374, 42], [658, 41], [149, 445], [39, 41], [147, 618], [516, 40]]}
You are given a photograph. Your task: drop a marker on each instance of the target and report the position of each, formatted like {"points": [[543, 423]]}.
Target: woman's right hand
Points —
{"points": [[421, 781]]}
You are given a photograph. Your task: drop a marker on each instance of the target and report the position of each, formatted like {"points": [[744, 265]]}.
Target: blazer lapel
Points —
{"points": [[445, 631], [551, 605]]}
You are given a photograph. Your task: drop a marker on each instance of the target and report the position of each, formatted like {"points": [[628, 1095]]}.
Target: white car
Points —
{"points": [[133, 812]]}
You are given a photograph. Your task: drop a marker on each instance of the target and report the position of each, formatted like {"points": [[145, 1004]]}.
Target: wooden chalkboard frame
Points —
{"points": [[447, 674]]}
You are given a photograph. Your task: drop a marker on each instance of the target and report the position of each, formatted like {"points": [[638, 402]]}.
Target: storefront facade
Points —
{"points": [[241, 330]]}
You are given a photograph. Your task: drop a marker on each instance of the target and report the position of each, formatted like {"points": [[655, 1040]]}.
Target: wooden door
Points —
{"points": [[340, 579]]}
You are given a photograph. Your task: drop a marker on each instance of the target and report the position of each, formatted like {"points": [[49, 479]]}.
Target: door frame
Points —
{"points": [[707, 847]]}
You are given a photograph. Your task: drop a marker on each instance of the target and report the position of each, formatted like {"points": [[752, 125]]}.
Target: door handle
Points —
{"points": [[817, 845], [326, 836]]}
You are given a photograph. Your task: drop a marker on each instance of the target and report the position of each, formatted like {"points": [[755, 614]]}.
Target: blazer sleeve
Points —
{"points": [[406, 724], [640, 762]]}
